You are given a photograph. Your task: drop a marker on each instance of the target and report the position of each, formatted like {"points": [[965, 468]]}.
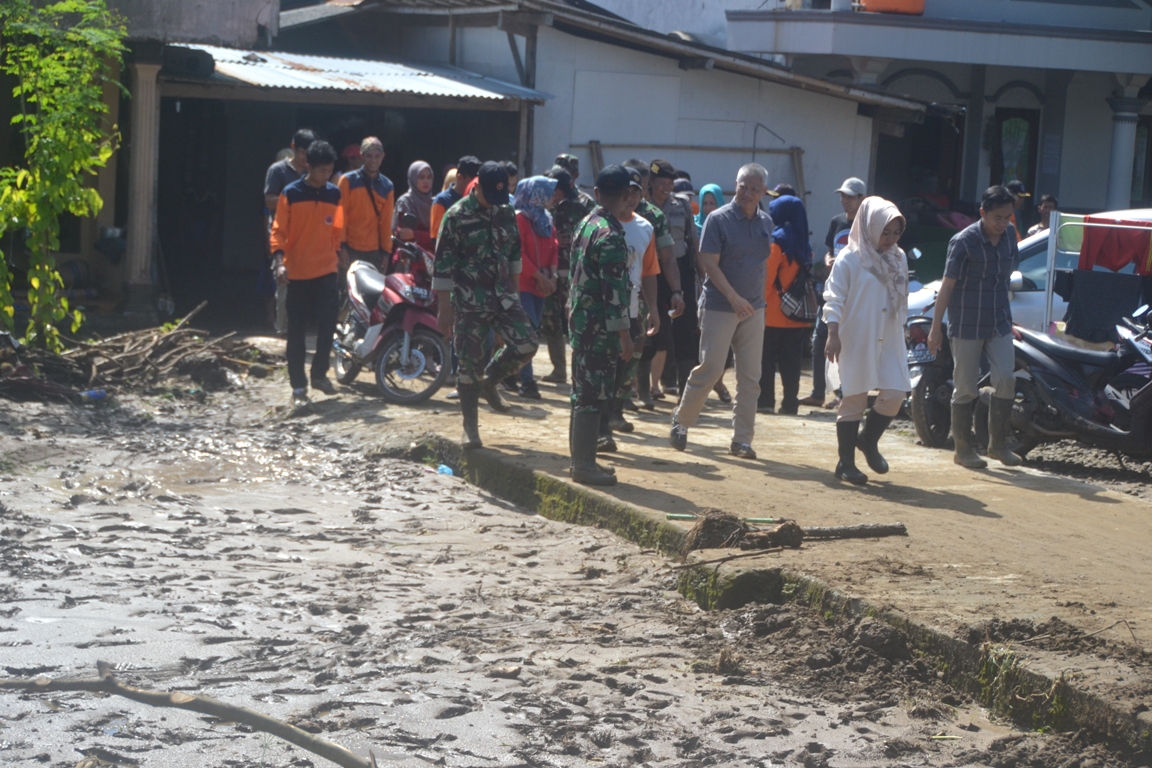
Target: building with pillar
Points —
{"points": [[1053, 93]]}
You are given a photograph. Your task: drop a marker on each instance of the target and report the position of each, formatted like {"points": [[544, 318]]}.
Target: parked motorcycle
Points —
{"points": [[931, 400], [389, 322], [1101, 399]]}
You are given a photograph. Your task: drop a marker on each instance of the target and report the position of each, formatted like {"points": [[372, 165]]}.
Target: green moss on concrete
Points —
{"points": [[546, 495]]}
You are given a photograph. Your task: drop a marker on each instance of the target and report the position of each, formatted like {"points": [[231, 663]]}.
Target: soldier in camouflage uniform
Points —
{"points": [[477, 263], [669, 296], [567, 214], [598, 324]]}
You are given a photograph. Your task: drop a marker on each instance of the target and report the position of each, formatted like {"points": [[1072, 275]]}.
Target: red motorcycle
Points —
{"points": [[389, 322]]}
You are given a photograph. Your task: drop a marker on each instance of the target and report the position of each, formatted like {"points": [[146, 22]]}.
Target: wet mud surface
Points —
{"points": [[224, 549], [1093, 465]]}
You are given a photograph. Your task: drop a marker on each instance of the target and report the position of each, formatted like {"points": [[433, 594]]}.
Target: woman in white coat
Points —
{"points": [[865, 306]]}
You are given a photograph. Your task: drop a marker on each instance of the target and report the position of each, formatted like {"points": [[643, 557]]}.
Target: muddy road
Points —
{"points": [[225, 548]]}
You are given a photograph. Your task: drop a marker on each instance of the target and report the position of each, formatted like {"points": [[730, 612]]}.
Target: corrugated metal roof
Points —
{"points": [[278, 69]]}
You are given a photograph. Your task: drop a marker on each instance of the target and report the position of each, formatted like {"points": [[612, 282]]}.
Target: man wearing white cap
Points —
{"points": [[852, 193]]}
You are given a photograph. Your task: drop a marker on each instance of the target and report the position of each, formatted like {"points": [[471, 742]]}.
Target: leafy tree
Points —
{"points": [[61, 55]]}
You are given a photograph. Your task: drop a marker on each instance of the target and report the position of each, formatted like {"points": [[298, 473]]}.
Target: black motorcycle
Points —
{"points": [[1098, 398], [931, 401]]}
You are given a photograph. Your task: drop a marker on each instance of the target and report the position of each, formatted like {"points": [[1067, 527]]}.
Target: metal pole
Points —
{"points": [[1053, 236]]}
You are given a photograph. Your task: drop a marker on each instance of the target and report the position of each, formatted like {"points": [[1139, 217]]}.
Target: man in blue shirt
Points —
{"points": [[734, 247], [974, 292]]}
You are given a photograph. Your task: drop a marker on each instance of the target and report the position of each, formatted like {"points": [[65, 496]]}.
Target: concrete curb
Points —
{"points": [[993, 674]]}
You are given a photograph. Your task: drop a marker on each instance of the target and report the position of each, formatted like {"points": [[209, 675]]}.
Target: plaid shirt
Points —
{"points": [[979, 307]]}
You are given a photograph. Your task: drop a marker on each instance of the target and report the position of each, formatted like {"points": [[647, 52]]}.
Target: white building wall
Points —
{"points": [[616, 95]]}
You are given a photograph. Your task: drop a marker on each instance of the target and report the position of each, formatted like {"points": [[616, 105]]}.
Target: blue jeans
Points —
{"points": [[534, 308]]}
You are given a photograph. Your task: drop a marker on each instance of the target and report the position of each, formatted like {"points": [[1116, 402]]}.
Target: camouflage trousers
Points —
{"points": [[626, 371], [554, 321], [471, 329], [594, 368]]}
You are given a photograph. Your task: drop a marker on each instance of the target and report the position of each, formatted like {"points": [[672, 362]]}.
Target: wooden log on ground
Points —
{"points": [[205, 705], [862, 531]]}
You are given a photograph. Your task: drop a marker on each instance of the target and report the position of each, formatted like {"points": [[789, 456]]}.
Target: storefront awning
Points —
{"points": [[278, 75]]}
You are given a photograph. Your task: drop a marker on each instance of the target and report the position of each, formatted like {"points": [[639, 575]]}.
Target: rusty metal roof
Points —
{"points": [[278, 69]]}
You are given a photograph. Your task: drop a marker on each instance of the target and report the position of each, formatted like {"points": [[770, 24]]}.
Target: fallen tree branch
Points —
{"points": [[862, 531], [684, 566], [205, 705]]}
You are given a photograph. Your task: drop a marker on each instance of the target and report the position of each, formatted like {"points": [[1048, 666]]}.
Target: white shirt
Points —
{"points": [[638, 233]]}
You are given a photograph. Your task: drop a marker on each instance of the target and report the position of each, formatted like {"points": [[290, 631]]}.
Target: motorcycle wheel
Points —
{"points": [[932, 408], [428, 364], [1017, 440], [344, 364]]}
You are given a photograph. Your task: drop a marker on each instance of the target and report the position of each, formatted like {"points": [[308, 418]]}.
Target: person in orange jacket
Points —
{"points": [[368, 198], [306, 237]]}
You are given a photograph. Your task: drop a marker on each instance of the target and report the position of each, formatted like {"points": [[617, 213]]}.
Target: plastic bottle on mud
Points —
{"points": [[92, 396]]}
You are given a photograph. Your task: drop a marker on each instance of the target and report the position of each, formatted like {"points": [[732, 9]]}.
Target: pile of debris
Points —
{"points": [[133, 360]]}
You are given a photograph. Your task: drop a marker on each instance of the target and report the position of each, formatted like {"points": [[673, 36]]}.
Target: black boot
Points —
{"points": [[644, 385], [608, 470], [616, 418], [585, 430], [491, 393], [559, 373], [962, 436], [469, 405], [874, 426], [846, 432], [604, 441], [999, 419]]}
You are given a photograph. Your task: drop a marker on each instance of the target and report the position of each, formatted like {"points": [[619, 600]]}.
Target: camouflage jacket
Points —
{"points": [[660, 226], [568, 214], [478, 256], [599, 296]]}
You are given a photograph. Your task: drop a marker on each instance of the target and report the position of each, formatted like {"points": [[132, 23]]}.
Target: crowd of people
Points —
{"points": [[655, 288]]}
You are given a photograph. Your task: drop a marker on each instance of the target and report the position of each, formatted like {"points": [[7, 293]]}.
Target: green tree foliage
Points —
{"points": [[61, 55]]}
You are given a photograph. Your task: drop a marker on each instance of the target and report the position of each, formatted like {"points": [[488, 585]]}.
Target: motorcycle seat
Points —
{"points": [[1060, 351], [370, 285]]}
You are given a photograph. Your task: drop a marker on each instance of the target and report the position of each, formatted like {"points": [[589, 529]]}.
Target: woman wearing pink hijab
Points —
{"points": [[866, 304]]}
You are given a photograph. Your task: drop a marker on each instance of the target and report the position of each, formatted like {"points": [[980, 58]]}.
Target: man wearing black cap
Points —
{"points": [[567, 214], [685, 243], [477, 264], [1020, 195], [598, 323], [669, 296]]}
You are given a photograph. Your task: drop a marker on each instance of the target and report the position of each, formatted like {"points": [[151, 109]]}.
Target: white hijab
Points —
{"points": [[889, 267]]}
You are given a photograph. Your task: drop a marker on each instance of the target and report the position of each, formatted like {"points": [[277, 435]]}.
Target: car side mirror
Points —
{"points": [[1016, 282]]}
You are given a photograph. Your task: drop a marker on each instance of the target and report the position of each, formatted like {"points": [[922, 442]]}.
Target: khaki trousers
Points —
{"points": [[719, 332]]}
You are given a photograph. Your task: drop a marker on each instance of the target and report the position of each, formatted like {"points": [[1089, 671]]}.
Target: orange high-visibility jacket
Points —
{"points": [[368, 207], [308, 228]]}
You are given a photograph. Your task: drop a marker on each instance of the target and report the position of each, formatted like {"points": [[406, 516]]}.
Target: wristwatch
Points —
{"points": [[678, 293]]}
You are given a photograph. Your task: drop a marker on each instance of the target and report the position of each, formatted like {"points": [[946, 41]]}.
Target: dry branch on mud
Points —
{"points": [[205, 705]]}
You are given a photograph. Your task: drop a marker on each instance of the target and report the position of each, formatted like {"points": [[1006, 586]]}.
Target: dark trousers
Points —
{"points": [[783, 350], [313, 300], [819, 342]]}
